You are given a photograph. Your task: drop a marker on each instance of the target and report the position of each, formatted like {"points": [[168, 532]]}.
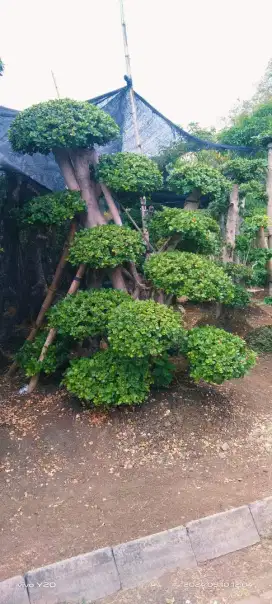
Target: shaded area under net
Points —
{"points": [[156, 134]]}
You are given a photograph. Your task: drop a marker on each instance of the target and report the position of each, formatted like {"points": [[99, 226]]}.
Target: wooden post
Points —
{"points": [[269, 214]]}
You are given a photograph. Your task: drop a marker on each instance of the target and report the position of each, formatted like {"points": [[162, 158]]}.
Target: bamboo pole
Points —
{"points": [[53, 332], [133, 111], [50, 295]]}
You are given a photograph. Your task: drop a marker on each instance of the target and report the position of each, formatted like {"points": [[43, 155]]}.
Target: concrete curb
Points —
{"points": [[100, 573]]}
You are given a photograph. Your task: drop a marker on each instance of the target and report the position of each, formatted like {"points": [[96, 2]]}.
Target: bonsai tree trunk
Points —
{"points": [[269, 213], [64, 162], [261, 239], [81, 160], [192, 201], [107, 194], [232, 219]]}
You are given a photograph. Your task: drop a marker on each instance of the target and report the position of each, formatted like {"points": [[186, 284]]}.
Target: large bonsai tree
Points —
{"points": [[126, 336]]}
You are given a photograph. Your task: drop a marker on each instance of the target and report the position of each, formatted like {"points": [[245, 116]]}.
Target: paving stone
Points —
{"points": [[13, 591], [266, 597], [90, 576], [250, 600], [262, 514], [141, 560], [222, 533]]}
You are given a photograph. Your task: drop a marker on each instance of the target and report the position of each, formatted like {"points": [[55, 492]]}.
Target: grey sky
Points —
{"points": [[191, 59]]}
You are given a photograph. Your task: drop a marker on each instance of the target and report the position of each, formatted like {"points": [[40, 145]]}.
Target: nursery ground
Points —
{"points": [[75, 480]]}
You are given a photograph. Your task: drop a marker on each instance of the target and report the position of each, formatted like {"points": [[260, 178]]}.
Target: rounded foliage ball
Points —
{"points": [[197, 231], [243, 170], [85, 314], [129, 172], [106, 246], [215, 355], [54, 208], [140, 328], [190, 275], [61, 123], [107, 380], [207, 180]]}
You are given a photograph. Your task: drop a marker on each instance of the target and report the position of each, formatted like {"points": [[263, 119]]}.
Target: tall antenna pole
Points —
{"points": [[55, 84], [134, 112], [129, 75]]}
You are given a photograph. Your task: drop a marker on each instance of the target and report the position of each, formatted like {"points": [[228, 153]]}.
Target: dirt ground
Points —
{"points": [[74, 480], [244, 577]]}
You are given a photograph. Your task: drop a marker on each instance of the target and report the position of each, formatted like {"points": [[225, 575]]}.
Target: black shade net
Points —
{"points": [[156, 134]]}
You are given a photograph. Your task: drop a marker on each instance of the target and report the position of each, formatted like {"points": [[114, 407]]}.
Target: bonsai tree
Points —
{"points": [[126, 337], [197, 180]]}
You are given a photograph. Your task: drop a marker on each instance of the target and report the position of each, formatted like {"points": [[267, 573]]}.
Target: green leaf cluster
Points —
{"points": [[53, 209], [240, 273], [241, 297], [198, 232], [191, 275], [106, 246], [61, 123], [28, 355], [243, 170], [139, 329], [260, 339], [86, 313], [252, 130], [107, 380], [188, 176], [162, 370], [215, 355], [129, 172]]}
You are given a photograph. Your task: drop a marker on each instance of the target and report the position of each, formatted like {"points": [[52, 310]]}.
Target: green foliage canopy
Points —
{"points": [[243, 170], [105, 379], [215, 355], [54, 208], [187, 176], [252, 130], [106, 246], [61, 123], [143, 328], [198, 232], [191, 275], [85, 313], [129, 172]]}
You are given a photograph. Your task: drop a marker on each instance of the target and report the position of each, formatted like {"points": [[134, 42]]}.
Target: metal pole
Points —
{"points": [[129, 74], [133, 111], [55, 84]]}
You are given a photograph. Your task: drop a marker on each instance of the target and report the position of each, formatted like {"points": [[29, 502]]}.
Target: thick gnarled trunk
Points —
{"points": [[232, 220], [193, 200]]}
